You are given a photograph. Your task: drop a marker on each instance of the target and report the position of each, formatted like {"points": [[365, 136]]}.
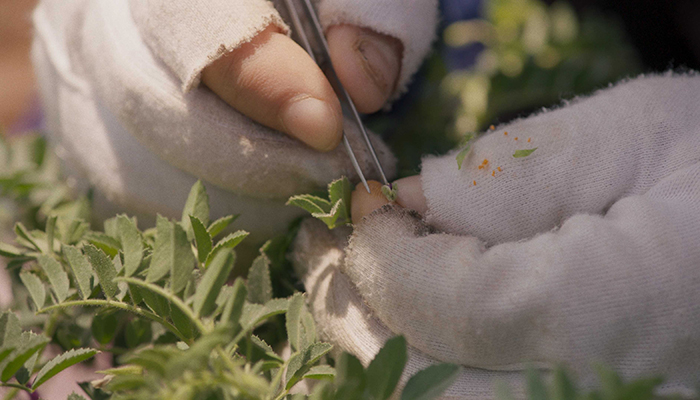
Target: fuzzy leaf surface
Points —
{"points": [[385, 370], [220, 224], [132, 244], [228, 242], [57, 276], [431, 382], [259, 282], [60, 363], [104, 268], [198, 205], [82, 271], [202, 238], [301, 362], [214, 278], [35, 287]]}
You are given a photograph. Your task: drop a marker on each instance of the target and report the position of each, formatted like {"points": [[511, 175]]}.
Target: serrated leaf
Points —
{"points": [[214, 278], [431, 382], [234, 305], [384, 372], [523, 153], [35, 287], [310, 203], [10, 332], [254, 314], [320, 372], [198, 205], [229, 242], [50, 232], [57, 276], [171, 254], [461, 156], [332, 218], [60, 363], [22, 232], [299, 323], [132, 244], [259, 283], [157, 303], [300, 363], [220, 224], [104, 268], [29, 344], [341, 189], [104, 242], [82, 271], [10, 251], [202, 238]]}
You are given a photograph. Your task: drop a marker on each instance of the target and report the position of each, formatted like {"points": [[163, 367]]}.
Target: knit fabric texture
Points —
{"points": [[587, 250]]}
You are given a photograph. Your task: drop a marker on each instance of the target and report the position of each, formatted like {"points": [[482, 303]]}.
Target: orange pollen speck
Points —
{"points": [[492, 127], [528, 140], [505, 133], [499, 169], [485, 161], [493, 173], [481, 167], [516, 138], [474, 183]]}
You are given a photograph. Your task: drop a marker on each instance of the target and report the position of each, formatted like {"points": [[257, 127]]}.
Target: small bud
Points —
{"points": [[390, 192]]}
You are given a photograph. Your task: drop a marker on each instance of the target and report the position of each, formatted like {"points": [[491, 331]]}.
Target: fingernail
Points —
{"points": [[381, 60], [312, 121]]}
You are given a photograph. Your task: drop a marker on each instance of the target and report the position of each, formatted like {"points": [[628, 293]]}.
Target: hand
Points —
{"points": [[272, 80], [585, 251]]}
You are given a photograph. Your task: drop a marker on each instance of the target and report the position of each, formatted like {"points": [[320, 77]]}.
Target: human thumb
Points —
{"points": [[368, 64]]}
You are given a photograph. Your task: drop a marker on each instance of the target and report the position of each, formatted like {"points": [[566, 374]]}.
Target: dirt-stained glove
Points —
{"points": [[119, 82], [585, 251]]}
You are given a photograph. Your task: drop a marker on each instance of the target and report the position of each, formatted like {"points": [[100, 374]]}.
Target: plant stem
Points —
{"points": [[16, 386], [116, 304], [170, 297]]}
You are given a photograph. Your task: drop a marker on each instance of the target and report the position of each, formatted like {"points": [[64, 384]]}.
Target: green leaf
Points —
{"points": [[523, 153], [104, 327], [182, 322], [254, 314], [535, 386], [104, 268], [234, 305], [60, 363], [259, 283], [332, 218], [10, 251], [29, 344], [320, 372], [294, 325], [300, 363], [390, 192], [172, 253], [350, 375], [220, 224], [132, 244], [35, 287], [385, 370], [198, 205], [461, 156], [10, 330], [50, 231], [202, 238], [214, 278], [229, 242], [57, 276], [104, 242], [75, 396], [341, 189], [562, 387], [138, 331], [310, 203], [431, 382], [22, 232], [82, 271]]}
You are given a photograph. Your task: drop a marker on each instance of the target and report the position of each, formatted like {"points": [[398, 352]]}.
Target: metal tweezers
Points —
{"points": [[343, 94]]}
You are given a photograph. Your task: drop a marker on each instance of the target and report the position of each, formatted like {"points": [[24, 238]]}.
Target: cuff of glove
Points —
{"points": [[189, 35]]}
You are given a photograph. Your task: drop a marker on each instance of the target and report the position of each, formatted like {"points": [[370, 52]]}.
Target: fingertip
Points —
{"points": [[368, 64], [313, 121], [410, 194], [364, 203]]}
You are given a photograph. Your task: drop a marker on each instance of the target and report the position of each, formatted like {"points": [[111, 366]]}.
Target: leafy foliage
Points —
{"points": [[334, 211], [523, 153]]}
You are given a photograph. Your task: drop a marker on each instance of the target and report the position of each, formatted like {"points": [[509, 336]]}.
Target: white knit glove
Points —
{"points": [[119, 81], [588, 250]]}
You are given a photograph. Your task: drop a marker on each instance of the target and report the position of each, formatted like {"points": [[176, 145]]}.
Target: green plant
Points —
{"points": [[334, 211]]}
